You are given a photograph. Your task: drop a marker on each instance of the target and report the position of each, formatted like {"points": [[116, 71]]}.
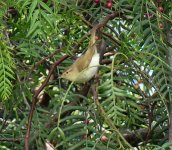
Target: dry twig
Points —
{"points": [[34, 99]]}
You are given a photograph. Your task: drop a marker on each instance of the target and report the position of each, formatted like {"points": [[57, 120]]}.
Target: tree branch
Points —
{"points": [[34, 100], [104, 23], [44, 59]]}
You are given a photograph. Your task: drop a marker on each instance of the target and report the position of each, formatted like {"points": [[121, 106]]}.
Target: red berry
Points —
{"points": [[133, 35], [161, 8], [96, 37], [86, 122], [104, 138], [148, 15], [161, 26], [109, 5], [96, 1]]}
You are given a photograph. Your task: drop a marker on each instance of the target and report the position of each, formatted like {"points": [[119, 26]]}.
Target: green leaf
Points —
{"points": [[46, 7], [34, 19], [32, 8], [36, 25], [47, 18]]}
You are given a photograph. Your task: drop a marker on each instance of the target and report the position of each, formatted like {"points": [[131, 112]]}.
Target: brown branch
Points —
{"points": [[150, 119], [106, 61], [44, 59], [34, 100], [137, 136], [107, 18]]}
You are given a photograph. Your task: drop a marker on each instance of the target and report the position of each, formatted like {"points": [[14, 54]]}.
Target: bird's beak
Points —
{"points": [[61, 76]]}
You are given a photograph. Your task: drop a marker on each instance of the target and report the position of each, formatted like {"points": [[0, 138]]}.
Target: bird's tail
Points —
{"points": [[101, 47]]}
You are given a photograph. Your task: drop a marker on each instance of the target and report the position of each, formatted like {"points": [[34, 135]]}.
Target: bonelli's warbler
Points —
{"points": [[86, 66]]}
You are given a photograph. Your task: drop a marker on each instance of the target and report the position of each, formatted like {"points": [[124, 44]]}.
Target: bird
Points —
{"points": [[86, 66]]}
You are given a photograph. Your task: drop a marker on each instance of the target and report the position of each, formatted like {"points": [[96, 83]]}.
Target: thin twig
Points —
{"points": [[109, 17], [44, 59], [106, 61], [150, 120], [34, 99]]}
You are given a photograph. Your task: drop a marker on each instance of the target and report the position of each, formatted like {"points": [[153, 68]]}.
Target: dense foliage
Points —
{"points": [[125, 106]]}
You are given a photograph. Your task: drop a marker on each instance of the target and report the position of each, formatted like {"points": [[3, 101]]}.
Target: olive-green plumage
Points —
{"points": [[86, 66]]}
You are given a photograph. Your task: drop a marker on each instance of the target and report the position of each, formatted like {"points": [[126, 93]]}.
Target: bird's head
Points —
{"points": [[69, 74]]}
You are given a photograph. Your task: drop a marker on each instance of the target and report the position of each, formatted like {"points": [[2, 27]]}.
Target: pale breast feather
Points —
{"points": [[89, 72]]}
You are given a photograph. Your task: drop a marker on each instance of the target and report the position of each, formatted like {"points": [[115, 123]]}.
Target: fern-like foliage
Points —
{"points": [[127, 107], [6, 68], [155, 50], [6, 57]]}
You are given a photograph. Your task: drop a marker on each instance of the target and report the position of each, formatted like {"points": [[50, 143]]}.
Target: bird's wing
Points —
{"points": [[101, 48], [84, 61]]}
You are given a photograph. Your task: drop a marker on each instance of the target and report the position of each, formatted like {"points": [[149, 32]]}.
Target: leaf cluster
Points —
{"points": [[126, 106]]}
